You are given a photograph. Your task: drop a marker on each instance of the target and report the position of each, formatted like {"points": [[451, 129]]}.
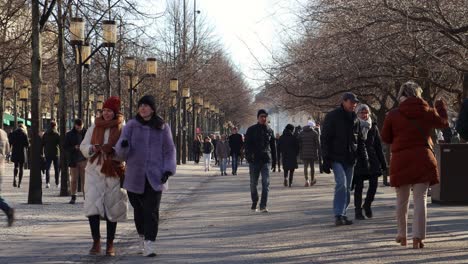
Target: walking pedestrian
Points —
{"points": [[214, 141], [207, 148], [197, 143], [309, 145], [222, 152], [377, 164], [19, 143], [260, 152], [146, 145], [4, 149], [413, 165], [342, 143], [76, 160], [51, 146], [278, 152], [289, 148], [235, 144], [105, 199]]}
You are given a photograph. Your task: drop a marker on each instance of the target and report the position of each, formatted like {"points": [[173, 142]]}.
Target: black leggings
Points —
{"points": [[18, 168], [373, 182], [291, 175], [94, 222]]}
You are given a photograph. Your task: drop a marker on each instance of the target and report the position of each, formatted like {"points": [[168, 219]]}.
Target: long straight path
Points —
{"points": [[206, 218]]}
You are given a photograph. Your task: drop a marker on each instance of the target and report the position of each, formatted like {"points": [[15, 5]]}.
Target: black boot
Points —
{"points": [[73, 199], [358, 214], [367, 210], [285, 182]]}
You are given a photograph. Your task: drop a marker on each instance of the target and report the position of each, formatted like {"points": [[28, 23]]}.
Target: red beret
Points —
{"points": [[113, 103]]}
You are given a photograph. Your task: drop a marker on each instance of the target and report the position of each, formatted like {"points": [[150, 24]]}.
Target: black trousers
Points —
{"points": [[146, 211], [94, 223], [19, 166], [196, 157], [373, 181], [291, 175]]}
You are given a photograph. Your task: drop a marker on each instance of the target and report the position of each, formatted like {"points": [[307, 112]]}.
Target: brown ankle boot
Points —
{"points": [[96, 249], [110, 248]]}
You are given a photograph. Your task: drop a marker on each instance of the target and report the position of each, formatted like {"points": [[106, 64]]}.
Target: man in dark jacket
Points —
{"points": [[342, 142], [76, 160], [235, 143], [309, 144], [50, 145], [260, 151]]}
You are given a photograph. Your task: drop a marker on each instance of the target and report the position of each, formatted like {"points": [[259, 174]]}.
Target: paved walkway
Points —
{"points": [[207, 219]]}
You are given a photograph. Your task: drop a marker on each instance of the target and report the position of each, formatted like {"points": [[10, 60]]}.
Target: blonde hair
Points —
{"points": [[410, 89]]}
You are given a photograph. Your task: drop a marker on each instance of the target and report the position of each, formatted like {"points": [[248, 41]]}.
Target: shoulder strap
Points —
{"points": [[420, 129]]}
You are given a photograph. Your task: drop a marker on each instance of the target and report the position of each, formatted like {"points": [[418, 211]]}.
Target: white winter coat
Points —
{"points": [[103, 194]]}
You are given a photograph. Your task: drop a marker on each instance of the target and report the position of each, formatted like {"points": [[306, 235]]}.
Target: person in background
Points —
{"points": [[235, 144], [413, 165], [76, 160], [309, 145], [207, 148], [105, 199], [197, 143], [214, 141], [289, 148], [377, 164], [51, 146], [19, 143], [223, 151], [4, 149]]}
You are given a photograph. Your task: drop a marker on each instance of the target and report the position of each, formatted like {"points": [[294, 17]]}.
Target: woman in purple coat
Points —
{"points": [[147, 147]]}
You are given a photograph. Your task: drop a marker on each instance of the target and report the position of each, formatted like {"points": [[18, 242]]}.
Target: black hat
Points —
{"points": [[148, 100], [261, 112], [350, 96]]}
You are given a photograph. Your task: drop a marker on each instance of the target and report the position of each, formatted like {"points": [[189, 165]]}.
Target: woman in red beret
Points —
{"points": [[104, 197]]}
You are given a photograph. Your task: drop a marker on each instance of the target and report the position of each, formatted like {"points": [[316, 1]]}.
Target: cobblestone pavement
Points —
{"points": [[207, 219]]}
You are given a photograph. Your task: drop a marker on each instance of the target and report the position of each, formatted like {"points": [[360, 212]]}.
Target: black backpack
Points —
{"points": [[462, 121]]}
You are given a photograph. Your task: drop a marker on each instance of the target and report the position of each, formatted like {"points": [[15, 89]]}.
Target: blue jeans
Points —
{"points": [[343, 179], [222, 164], [235, 159], [49, 161], [4, 206], [255, 170]]}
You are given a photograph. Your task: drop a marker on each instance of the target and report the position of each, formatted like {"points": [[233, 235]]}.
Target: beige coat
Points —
{"points": [[4, 150], [104, 196]]}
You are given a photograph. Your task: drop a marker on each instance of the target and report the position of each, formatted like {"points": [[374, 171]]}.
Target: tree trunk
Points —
{"points": [[63, 102], [35, 182]]}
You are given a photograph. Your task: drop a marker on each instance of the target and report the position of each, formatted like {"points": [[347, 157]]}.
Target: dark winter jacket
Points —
{"points": [[376, 156], [222, 149], [341, 139], [19, 143], [197, 147], [260, 144], [207, 148], [289, 148], [72, 139], [235, 143], [51, 143], [309, 144]]}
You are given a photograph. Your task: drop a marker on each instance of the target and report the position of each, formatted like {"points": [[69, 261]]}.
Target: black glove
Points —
{"points": [[326, 167], [124, 143], [165, 176]]}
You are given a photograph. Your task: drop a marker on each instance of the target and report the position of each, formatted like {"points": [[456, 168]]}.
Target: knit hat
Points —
{"points": [[262, 112], [113, 103], [311, 123], [148, 100], [410, 89], [289, 127]]}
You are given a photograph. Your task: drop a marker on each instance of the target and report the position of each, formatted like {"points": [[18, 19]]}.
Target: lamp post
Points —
{"points": [[185, 96], [23, 96], [10, 85], [83, 50], [173, 89], [134, 80]]}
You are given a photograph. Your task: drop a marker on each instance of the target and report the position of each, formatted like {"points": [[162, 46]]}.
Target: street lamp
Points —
{"points": [[134, 80], [173, 90], [83, 50], [23, 96], [185, 96]]}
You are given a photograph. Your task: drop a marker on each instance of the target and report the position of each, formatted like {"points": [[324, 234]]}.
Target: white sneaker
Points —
{"points": [[141, 244], [47, 185], [150, 248]]}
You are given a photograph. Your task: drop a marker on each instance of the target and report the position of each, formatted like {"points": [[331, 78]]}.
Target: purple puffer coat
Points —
{"points": [[150, 153]]}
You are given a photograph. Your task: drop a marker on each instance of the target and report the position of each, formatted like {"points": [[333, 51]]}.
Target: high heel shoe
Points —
{"points": [[417, 243], [401, 240]]}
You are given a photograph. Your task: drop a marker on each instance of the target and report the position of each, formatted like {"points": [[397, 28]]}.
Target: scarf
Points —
{"points": [[110, 167], [155, 122], [366, 125]]}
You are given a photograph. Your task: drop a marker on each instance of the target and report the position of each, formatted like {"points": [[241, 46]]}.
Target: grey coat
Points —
{"points": [[309, 143], [222, 149]]}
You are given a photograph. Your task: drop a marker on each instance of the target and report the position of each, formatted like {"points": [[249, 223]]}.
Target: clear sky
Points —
{"points": [[250, 30]]}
